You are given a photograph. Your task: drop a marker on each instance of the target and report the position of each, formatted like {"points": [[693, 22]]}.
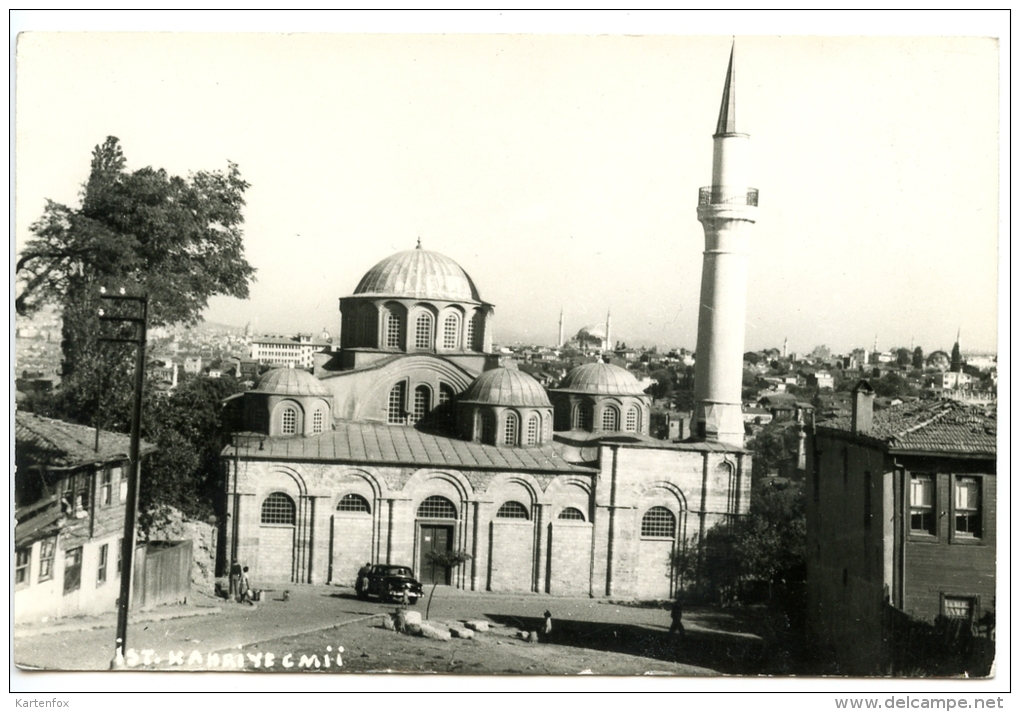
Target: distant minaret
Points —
{"points": [[786, 343], [727, 210], [609, 333], [874, 349], [559, 345]]}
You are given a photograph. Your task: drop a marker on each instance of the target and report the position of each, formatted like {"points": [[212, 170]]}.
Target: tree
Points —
{"points": [[956, 360], [770, 541], [918, 358], [903, 357], [178, 240], [447, 561], [663, 386]]}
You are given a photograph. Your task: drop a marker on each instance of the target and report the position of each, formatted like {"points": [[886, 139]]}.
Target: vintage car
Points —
{"points": [[389, 583]]}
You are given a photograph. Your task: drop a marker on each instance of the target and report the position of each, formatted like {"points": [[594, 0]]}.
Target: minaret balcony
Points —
{"points": [[718, 195]]}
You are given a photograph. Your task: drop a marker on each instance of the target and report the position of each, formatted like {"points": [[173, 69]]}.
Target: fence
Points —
{"points": [[162, 574]]}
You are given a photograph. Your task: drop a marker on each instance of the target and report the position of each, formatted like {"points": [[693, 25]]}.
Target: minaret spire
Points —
{"points": [[727, 123], [609, 333], [560, 343]]}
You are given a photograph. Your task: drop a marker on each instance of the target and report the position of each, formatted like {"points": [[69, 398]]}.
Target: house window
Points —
{"points": [[922, 504], [106, 488], [120, 556], [488, 427], [967, 503], [289, 421], [451, 335], [632, 420], [278, 508], [47, 553], [104, 556], [658, 522], [532, 438], [317, 422], [118, 475], [353, 503], [436, 507], [422, 398], [395, 406], [582, 417], [510, 429], [958, 607], [72, 570], [23, 557], [512, 510], [393, 329], [423, 331], [610, 418], [572, 514]]}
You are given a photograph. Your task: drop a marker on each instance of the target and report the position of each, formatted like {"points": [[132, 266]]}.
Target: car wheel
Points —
{"points": [[414, 601]]}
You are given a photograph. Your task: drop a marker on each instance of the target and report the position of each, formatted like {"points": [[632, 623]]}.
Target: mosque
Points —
{"points": [[412, 436]]}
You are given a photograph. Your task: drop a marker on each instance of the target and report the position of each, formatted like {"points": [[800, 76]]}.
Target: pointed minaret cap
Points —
{"points": [[418, 246], [728, 111]]}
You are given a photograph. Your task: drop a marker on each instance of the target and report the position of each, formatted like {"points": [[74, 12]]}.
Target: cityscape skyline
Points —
{"points": [[539, 167]]}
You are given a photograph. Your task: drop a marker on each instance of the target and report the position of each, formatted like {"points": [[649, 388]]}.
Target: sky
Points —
{"points": [[561, 170]]}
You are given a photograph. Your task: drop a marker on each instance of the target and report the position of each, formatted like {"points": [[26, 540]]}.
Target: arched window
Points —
{"points": [[633, 420], [610, 418], [317, 421], [488, 428], [445, 394], [288, 421], [510, 429], [422, 402], [476, 331], [658, 522], [572, 513], [436, 507], [582, 417], [512, 510], [532, 432], [278, 508], [423, 331], [451, 332], [353, 503], [395, 405], [394, 329]]}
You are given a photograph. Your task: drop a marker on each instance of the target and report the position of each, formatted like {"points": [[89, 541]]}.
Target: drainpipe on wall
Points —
{"points": [[610, 583], [389, 532], [474, 548], [704, 503]]}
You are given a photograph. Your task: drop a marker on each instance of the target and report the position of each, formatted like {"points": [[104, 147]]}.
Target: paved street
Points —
{"points": [[589, 635]]}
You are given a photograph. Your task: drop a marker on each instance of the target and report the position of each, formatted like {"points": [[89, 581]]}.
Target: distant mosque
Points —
{"points": [[413, 437]]}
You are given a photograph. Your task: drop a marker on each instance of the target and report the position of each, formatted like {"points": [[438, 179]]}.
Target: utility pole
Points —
{"points": [[137, 320]]}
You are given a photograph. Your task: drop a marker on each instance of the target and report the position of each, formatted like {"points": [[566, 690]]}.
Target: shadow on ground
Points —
{"points": [[723, 652]]}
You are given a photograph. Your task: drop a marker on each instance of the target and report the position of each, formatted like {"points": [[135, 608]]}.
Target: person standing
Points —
{"points": [[676, 614], [361, 583], [235, 577], [244, 588]]}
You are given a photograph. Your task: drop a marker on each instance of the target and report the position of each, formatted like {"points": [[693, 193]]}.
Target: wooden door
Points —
{"points": [[434, 538]]}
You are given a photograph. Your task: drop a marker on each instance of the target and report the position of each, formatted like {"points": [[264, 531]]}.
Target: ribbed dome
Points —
{"points": [[506, 386], [419, 274], [291, 382], [603, 379]]}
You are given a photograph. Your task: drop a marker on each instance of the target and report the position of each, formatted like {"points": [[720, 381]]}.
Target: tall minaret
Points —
{"points": [[727, 210], [559, 345], [609, 333]]}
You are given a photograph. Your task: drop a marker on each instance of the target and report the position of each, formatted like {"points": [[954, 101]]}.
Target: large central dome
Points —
{"points": [[419, 274]]}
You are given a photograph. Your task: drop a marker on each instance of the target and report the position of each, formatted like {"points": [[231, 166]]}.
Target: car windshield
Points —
{"points": [[393, 571]]}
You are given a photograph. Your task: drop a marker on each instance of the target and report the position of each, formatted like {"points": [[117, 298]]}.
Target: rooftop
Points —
{"points": [[400, 445], [941, 426], [61, 445]]}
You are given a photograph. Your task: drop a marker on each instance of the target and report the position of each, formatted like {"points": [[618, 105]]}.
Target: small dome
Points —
{"points": [[291, 382], [506, 386], [421, 275], [603, 379]]}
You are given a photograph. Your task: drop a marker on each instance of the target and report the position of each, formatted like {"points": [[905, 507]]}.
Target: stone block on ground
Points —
{"points": [[462, 633], [388, 624], [412, 617], [480, 626], [432, 633]]}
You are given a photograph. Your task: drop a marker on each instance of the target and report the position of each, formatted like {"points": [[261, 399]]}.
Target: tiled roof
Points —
{"points": [[59, 444], [941, 426], [399, 445]]}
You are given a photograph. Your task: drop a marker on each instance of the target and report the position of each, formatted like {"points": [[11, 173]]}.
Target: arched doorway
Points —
{"points": [[278, 517], [436, 519]]}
